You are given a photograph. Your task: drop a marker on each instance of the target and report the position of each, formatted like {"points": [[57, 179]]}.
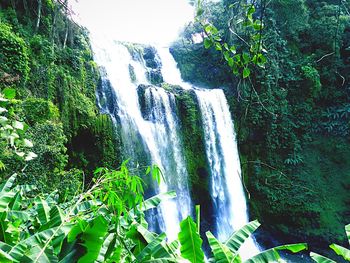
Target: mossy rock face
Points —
{"points": [[311, 202], [14, 59], [201, 66], [98, 146], [153, 65], [141, 89], [155, 76], [132, 73], [38, 110], [106, 94]]}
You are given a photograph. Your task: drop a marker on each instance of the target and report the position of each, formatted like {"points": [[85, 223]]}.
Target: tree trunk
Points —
{"points": [[53, 31], [67, 24], [13, 4], [25, 6], [38, 16]]}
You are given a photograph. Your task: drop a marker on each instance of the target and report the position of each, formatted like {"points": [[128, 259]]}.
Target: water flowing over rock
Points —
{"points": [[151, 133], [153, 139], [226, 183]]}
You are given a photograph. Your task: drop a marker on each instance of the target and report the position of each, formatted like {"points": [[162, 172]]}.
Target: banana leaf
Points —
{"points": [[237, 239], [191, 242], [222, 253], [341, 251], [272, 255], [321, 259]]}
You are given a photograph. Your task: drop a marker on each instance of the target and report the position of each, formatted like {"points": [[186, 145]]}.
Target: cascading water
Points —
{"points": [[157, 132], [226, 186], [152, 135], [226, 183], [171, 74], [222, 153]]}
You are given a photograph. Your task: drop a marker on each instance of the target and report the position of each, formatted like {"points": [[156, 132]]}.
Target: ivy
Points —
{"points": [[242, 60], [14, 57], [12, 131]]}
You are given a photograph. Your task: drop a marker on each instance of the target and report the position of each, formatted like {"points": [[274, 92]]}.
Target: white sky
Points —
{"points": [[140, 21]]}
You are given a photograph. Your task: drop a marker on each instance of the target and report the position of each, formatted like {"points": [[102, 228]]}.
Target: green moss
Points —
{"points": [[193, 142], [310, 202], [58, 91], [14, 58], [38, 110], [201, 66], [313, 80]]}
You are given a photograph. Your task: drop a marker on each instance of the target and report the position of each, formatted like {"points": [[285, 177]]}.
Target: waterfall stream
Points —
{"points": [[227, 190], [157, 132], [154, 128], [226, 184]]}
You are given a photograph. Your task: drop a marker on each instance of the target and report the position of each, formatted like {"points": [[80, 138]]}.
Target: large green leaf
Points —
{"points": [[341, 251], [139, 242], [84, 207], [152, 248], [241, 235], [13, 215], [272, 255], [6, 193], [5, 257], [166, 260], [93, 238], [321, 259], [153, 202], [54, 236], [43, 210], [107, 247], [18, 255], [47, 257], [174, 246], [222, 253], [146, 234], [191, 242]]}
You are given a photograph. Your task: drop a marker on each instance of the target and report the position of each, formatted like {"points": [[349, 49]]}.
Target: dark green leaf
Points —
{"points": [[246, 72], [207, 43], [9, 93]]}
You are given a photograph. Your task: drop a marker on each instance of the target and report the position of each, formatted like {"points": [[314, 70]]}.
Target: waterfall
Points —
{"points": [[171, 74], [226, 182], [227, 190], [155, 131], [226, 186]]}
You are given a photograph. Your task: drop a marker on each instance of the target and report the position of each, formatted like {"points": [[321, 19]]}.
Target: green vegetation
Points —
{"points": [[339, 250], [290, 111], [104, 224], [47, 59], [284, 66]]}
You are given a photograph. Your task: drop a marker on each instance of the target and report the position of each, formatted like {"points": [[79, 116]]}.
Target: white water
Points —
{"points": [[227, 190], [158, 133], [149, 22], [171, 74]]}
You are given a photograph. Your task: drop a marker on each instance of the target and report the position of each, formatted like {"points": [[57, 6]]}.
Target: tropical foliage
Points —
{"points": [[47, 59], [339, 250], [290, 112], [105, 224]]}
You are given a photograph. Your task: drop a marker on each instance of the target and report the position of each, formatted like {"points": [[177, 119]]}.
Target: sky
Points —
{"points": [[139, 21]]}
